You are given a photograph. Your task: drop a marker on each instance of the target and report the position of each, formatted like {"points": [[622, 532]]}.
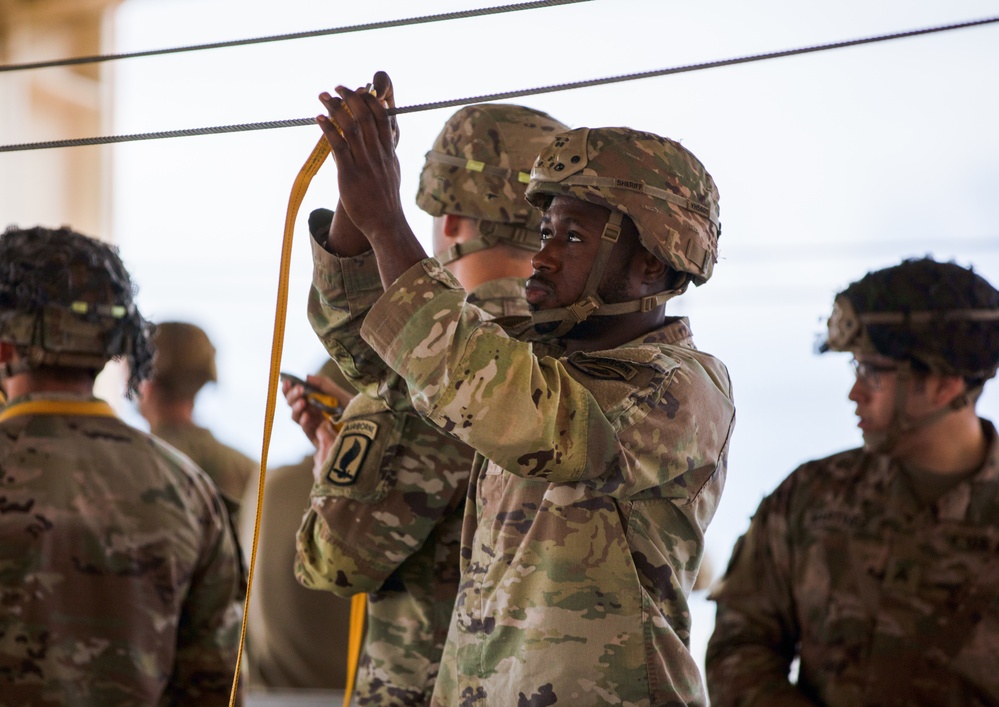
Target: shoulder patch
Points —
{"points": [[352, 447], [603, 368]]}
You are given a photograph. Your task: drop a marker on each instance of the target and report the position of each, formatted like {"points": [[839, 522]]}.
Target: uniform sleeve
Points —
{"points": [[561, 419], [755, 638], [387, 483], [342, 292], [208, 634]]}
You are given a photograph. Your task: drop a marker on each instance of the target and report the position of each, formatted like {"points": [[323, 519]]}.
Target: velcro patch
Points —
{"points": [[604, 369], [352, 447]]}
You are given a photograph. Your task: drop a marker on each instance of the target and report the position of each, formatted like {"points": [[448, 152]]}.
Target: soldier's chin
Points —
{"points": [[876, 442]]}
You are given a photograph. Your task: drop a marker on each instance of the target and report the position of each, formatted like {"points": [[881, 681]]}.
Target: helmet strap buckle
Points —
{"points": [[582, 309], [612, 230], [648, 303]]}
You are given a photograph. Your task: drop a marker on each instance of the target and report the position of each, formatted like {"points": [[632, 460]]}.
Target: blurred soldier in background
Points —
{"points": [[119, 577], [388, 504], [878, 568], [295, 637], [183, 363]]}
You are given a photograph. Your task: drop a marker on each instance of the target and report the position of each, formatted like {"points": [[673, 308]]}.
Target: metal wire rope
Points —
{"points": [[299, 122], [425, 19]]}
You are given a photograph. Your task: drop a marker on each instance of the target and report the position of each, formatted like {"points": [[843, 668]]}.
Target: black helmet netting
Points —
{"points": [[44, 268], [952, 347]]}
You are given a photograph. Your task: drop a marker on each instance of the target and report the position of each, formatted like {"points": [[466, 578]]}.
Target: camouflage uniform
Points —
{"points": [[879, 578], [387, 511], [118, 570], [380, 523], [228, 467], [596, 473], [587, 528], [888, 601]]}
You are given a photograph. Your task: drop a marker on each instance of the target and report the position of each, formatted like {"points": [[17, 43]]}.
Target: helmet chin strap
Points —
{"points": [[589, 301], [901, 424], [491, 233]]}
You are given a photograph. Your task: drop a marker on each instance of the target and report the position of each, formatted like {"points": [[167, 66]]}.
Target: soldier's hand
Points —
{"points": [[363, 146], [303, 411], [381, 85]]}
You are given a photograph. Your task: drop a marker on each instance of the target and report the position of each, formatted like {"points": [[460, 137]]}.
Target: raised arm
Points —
{"points": [[344, 238], [346, 280], [362, 141]]}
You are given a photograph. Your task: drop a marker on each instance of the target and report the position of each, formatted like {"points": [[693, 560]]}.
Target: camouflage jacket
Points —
{"points": [[386, 513], [885, 600], [119, 576], [230, 468], [596, 477]]}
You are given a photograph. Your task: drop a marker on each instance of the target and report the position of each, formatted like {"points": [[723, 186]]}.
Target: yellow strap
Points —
{"points": [[358, 609], [298, 190], [93, 408]]}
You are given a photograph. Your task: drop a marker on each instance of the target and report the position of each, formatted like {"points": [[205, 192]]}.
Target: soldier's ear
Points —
{"points": [[947, 389], [653, 269], [452, 225]]}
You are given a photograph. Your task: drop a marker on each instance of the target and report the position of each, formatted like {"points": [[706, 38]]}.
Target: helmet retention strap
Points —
{"points": [[900, 424], [491, 233], [589, 301]]}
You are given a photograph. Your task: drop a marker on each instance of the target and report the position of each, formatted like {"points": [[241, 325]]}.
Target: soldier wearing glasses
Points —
{"points": [[877, 569]]}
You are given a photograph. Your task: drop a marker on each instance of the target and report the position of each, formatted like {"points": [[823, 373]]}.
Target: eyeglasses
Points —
{"points": [[869, 374]]}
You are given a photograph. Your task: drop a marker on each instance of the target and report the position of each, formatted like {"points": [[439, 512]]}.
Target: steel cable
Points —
{"points": [[299, 122], [464, 14]]}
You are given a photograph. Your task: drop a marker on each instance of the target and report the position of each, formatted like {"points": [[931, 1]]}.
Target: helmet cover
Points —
{"points": [[480, 164], [940, 315], [66, 300], [184, 358], [659, 184]]}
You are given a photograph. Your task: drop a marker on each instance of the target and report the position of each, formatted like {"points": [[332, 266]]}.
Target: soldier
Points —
{"points": [[878, 568], [119, 576], [601, 451], [388, 505], [184, 362]]}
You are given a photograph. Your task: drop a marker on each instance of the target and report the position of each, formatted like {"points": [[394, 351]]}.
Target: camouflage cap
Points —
{"points": [[480, 162], [656, 182], [185, 357], [941, 315], [66, 300]]}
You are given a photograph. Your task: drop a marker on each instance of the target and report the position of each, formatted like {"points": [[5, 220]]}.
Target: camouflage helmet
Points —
{"points": [[66, 300], [185, 358], [940, 315], [479, 167], [656, 182]]}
